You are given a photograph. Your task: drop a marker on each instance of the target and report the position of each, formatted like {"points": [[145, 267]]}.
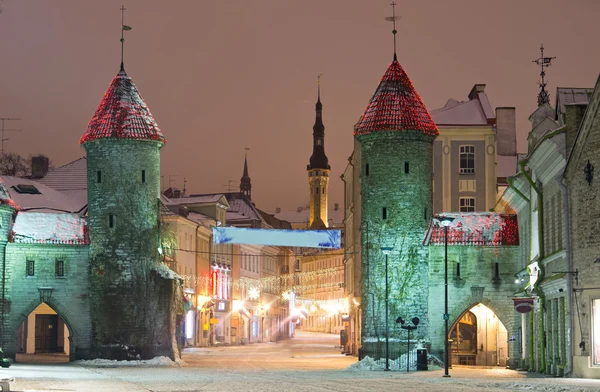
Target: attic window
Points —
{"points": [[26, 189]]}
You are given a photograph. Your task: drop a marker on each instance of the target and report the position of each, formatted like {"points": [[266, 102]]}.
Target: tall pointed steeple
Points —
{"points": [[245, 184], [318, 170], [318, 159]]}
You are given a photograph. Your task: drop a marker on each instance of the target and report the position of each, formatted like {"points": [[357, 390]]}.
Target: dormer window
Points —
{"points": [[26, 189]]}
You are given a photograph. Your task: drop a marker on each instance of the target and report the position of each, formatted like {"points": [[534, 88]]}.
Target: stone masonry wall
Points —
{"points": [[400, 180], [67, 295], [130, 314]]}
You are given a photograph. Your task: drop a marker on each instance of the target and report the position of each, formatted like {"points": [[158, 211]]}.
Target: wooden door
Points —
{"points": [[46, 333]]}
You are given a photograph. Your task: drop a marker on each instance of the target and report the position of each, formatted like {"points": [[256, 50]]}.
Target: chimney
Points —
{"points": [[336, 206], [478, 88], [573, 117], [39, 166], [277, 210], [506, 131]]}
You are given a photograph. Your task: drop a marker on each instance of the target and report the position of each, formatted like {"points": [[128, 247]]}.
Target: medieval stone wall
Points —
{"points": [[68, 295], [396, 210]]}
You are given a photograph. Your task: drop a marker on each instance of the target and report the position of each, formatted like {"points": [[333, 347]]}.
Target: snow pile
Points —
{"points": [[110, 363], [370, 364]]}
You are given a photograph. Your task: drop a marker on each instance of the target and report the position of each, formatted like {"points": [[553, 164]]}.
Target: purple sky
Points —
{"points": [[220, 76]]}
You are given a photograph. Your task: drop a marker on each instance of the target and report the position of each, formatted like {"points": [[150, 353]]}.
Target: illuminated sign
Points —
{"points": [[330, 239]]}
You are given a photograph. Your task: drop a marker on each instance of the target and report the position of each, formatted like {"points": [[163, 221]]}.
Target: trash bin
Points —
{"points": [[421, 359]]}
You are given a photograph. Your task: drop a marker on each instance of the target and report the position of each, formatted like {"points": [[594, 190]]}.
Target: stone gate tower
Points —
{"points": [[318, 172], [131, 307], [395, 135]]}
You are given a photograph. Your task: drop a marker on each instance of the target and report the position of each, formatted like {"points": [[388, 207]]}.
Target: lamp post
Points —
{"points": [[446, 221], [386, 250], [409, 328]]}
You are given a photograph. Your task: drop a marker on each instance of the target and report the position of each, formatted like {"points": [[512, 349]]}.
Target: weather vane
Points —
{"points": [[393, 19], [543, 96], [123, 29]]}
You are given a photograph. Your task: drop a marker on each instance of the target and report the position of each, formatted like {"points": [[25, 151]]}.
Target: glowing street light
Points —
{"points": [[446, 221]]}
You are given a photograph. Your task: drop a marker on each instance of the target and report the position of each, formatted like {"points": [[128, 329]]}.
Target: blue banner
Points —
{"points": [[330, 239]]}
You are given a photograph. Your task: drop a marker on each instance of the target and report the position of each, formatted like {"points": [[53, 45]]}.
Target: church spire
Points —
{"points": [[245, 184], [318, 159]]}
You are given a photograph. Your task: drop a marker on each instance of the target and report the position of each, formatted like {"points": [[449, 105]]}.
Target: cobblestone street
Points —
{"points": [[309, 362]]}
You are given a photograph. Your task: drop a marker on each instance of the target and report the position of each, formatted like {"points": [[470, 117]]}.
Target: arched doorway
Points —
{"points": [[478, 338], [43, 337]]}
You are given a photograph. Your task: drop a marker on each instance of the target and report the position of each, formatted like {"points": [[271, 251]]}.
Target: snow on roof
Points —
{"points": [[72, 176], [47, 199], [166, 272], [474, 229], [302, 215], [196, 199], [199, 218], [49, 228], [395, 106], [122, 114], [462, 113]]}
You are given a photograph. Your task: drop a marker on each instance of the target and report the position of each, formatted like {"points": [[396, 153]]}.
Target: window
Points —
{"points": [[425, 213], [467, 204], [405, 167], [367, 169], [596, 332], [30, 268], [317, 190], [111, 221], [60, 268], [26, 189], [99, 176], [143, 175], [467, 160], [384, 213]]}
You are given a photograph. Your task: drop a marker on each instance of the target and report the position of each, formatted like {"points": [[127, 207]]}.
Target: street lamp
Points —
{"points": [[446, 221], [409, 328], [386, 250]]}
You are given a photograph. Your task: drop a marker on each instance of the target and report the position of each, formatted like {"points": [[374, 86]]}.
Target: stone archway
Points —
{"points": [[71, 332], [501, 306]]}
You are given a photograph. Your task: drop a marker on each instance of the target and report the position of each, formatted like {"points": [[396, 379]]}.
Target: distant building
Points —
{"points": [[474, 153]]}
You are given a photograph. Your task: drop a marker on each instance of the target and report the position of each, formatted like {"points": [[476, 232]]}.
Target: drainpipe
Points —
{"points": [[541, 257], [569, 320]]}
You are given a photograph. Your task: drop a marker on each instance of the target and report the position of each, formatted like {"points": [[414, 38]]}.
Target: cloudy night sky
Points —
{"points": [[220, 76]]}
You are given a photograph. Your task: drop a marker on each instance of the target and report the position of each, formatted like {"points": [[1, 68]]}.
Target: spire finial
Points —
{"points": [[319, 87], [123, 29], [543, 96], [393, 19], [246, 151]]}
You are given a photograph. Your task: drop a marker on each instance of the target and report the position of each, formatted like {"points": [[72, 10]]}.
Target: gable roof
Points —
{"points": [[395, 106], [42, 199], [122, 114], [586, 123], [72, 176]]}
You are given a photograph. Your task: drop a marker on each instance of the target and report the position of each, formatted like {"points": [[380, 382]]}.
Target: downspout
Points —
{"points": [[569, 320], [541, 272], [531, 358]]}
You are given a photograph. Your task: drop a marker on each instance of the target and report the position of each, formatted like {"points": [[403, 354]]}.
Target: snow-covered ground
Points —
{"points": [[309, 362]]}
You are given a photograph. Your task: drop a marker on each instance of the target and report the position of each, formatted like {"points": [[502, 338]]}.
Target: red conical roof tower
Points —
{"points": [[395, 106], [122, 114]]}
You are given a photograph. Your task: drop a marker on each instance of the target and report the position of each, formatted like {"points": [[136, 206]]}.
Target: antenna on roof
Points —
{"points": [[393, 19], [228, 186], [3, 139], [124, 28], [543, 96]]}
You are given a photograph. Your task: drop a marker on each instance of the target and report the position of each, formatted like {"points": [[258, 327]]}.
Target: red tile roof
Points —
{"points": [[395, 106], [122, 114]]}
